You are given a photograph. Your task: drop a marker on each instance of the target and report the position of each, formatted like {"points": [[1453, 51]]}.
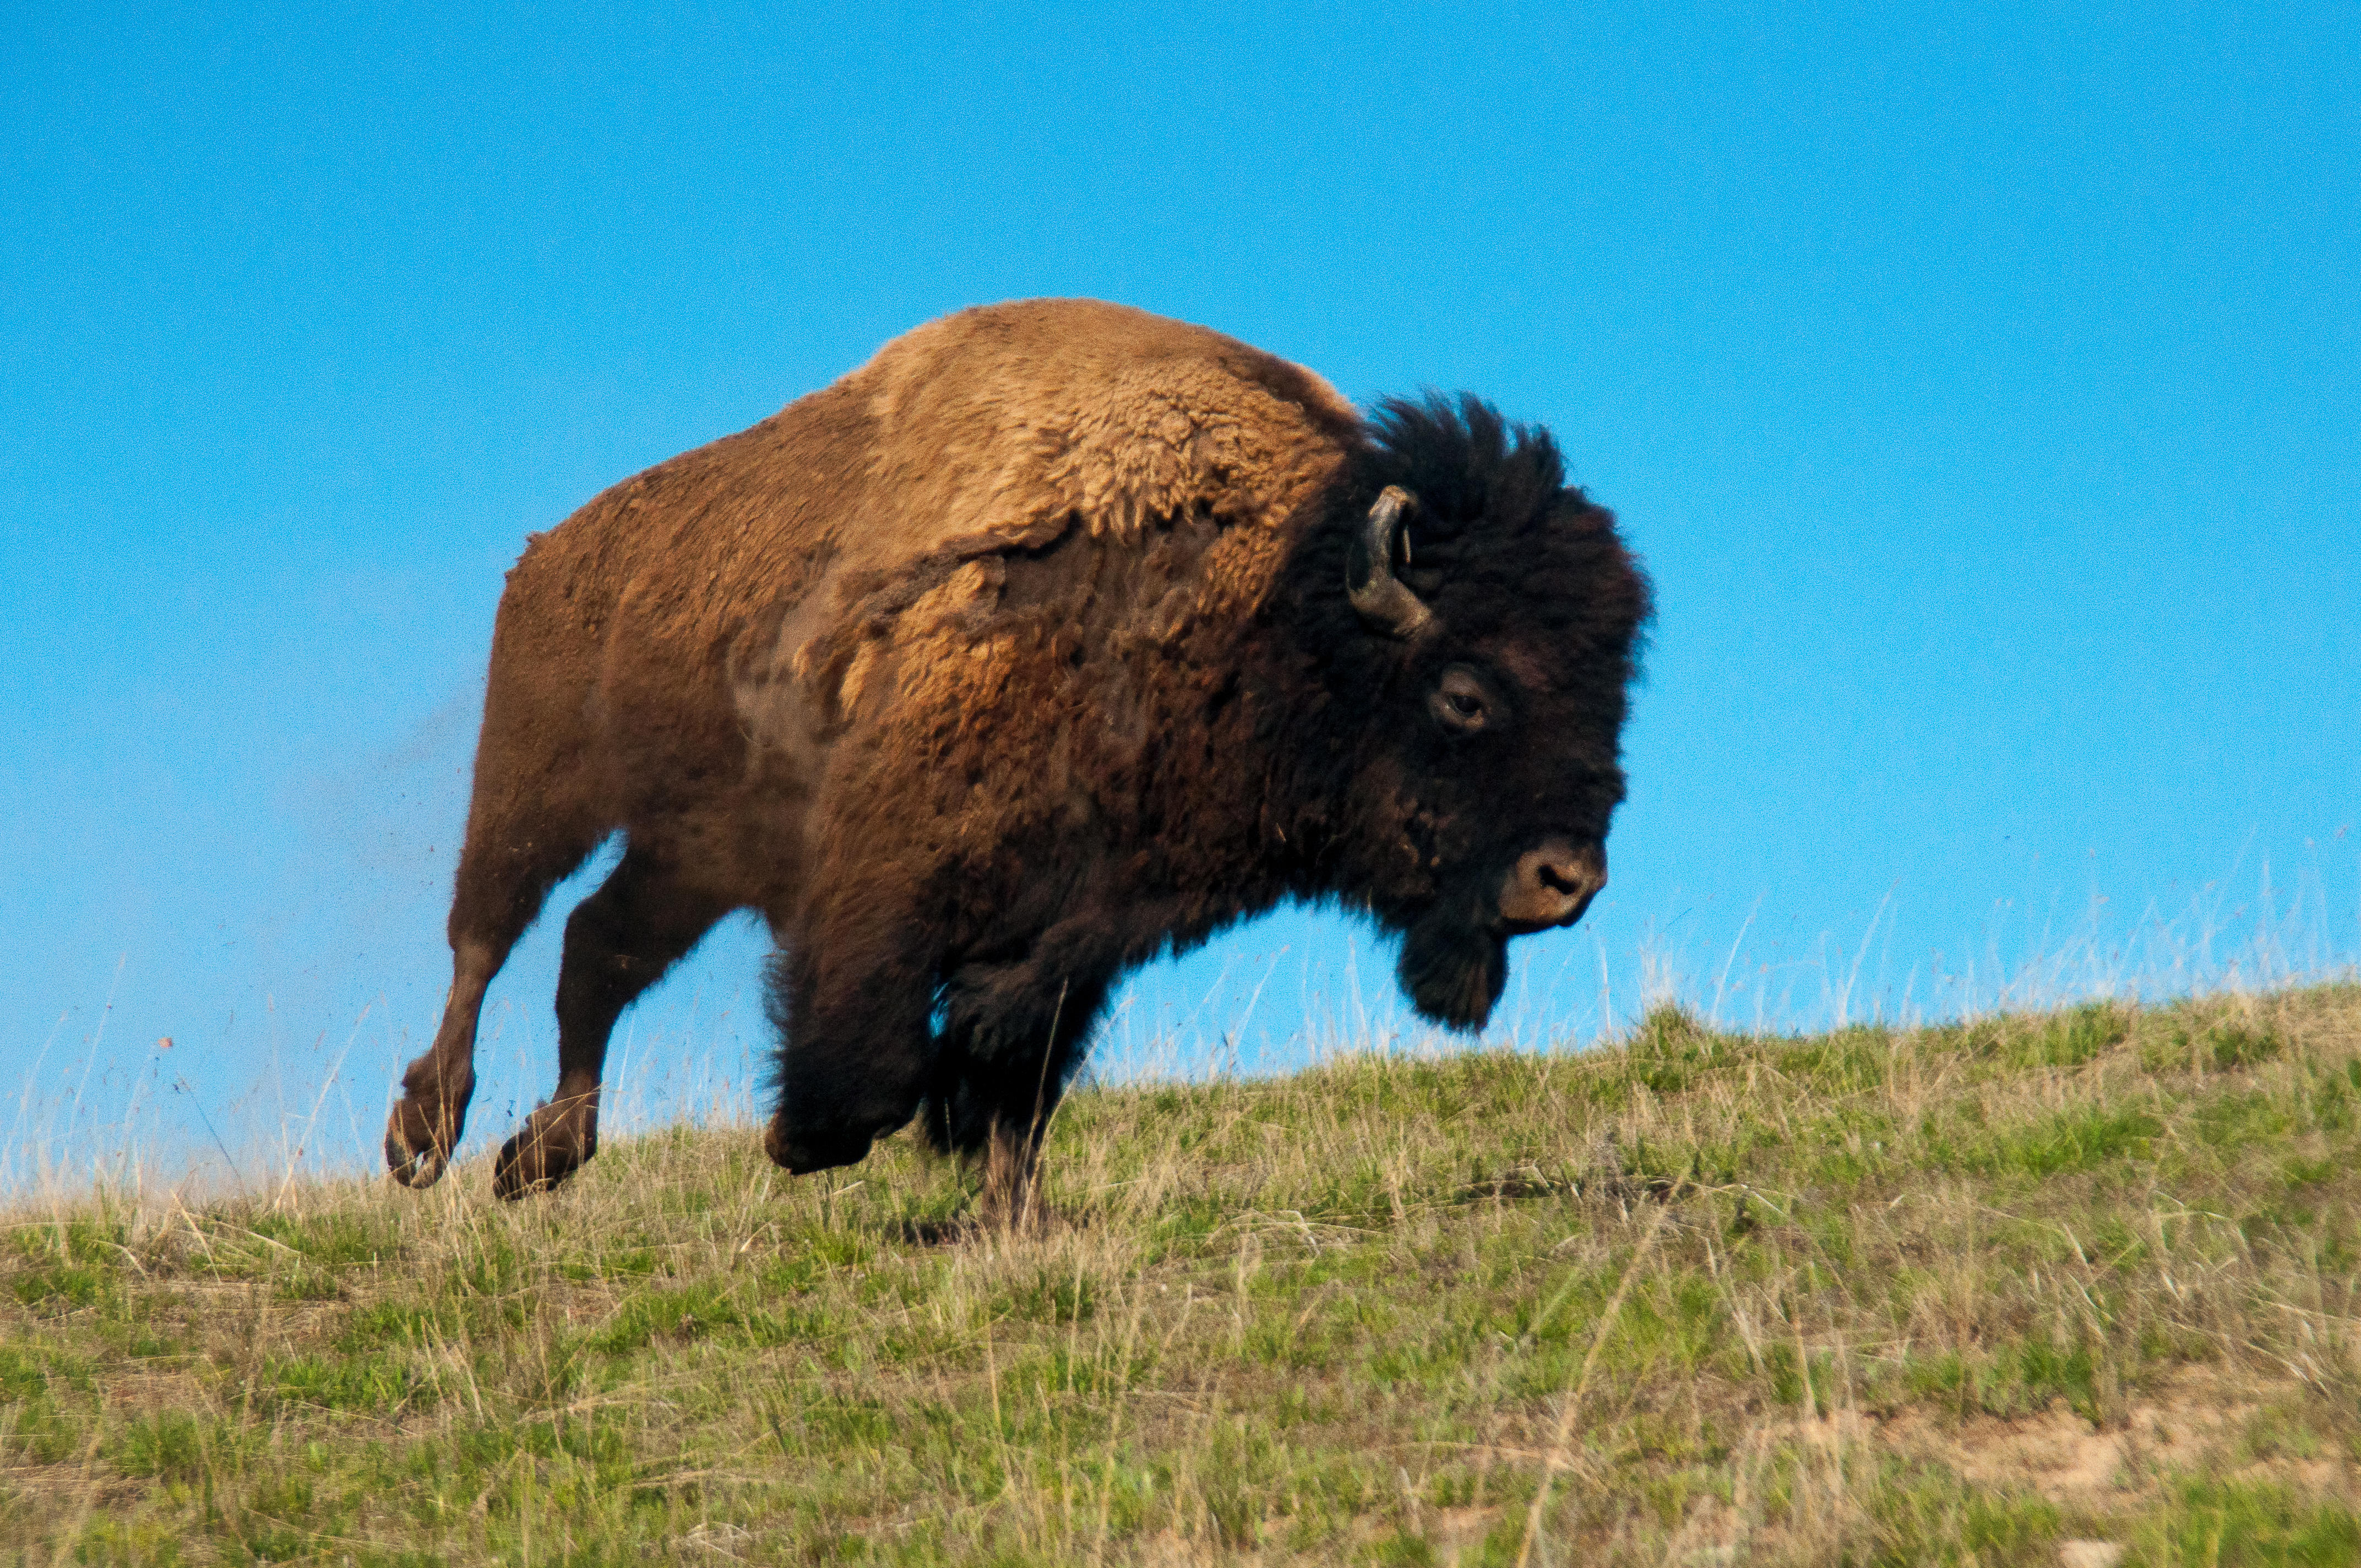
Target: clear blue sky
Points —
{"points": [[1978, 382]]}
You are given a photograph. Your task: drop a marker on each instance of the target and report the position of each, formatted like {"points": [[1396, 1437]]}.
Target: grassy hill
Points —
{"points": [[1996, 1293]]}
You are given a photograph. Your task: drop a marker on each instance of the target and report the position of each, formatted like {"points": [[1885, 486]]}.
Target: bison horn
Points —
{"points": [[1384, 602]]}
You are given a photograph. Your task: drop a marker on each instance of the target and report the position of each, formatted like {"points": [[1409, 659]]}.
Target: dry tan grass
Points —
{"points": [[2026, 1290]]}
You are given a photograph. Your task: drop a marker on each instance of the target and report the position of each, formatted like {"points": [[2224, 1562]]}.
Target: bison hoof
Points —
{"points": [[802, 1152], [418, 1163], [530, 1162]]}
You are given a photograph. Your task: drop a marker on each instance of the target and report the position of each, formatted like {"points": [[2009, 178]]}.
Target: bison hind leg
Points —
{"points": [[619, 941]]}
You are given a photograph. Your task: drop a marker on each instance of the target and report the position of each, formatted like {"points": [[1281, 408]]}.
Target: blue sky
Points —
{"points": [[1978, 381]]}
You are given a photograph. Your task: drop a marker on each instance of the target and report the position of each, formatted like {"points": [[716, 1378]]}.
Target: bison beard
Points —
{"points": [[1453, 968], [1057, 637]]}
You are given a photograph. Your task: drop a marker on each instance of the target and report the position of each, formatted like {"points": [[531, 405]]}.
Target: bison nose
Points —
{"points": [[1552, 885]]}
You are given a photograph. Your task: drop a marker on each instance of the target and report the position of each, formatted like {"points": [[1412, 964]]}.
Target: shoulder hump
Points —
{"points": [[1005, 425]]}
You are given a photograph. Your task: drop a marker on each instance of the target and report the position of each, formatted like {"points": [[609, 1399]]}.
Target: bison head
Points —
{"points": [[1476, 622]]}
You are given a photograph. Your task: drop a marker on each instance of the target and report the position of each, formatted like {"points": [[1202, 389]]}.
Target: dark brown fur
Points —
{"points": [[1016, 657]]}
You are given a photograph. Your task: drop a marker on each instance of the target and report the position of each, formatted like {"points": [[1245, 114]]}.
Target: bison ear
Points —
{"points": [[1382, 599]]}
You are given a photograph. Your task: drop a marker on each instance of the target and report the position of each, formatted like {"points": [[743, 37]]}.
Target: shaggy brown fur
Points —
{"points": [[1020, 654]]}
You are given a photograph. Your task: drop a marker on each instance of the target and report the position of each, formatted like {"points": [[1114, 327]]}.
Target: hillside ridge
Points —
{"points": [[2076, 1286]]}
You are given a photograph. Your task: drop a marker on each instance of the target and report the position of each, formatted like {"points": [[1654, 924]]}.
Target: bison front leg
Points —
{"points": [[1009, 1197], [854, 1045], [1012, 1036]]}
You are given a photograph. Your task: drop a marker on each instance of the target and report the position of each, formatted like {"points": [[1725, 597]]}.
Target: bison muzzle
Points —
{"points": [[1057, 637]]}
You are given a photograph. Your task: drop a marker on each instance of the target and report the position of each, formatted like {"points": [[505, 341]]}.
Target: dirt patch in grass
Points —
{"points": [[2194, 1420]]}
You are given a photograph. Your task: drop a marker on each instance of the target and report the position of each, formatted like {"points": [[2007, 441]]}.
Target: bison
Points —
{"points": [[1057, 637]]}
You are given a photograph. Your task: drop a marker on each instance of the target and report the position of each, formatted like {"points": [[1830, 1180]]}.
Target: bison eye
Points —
{"points": [[1460, 701]]}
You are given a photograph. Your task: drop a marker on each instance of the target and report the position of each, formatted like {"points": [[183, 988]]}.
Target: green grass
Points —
{"points": [[1958, 1295]]}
